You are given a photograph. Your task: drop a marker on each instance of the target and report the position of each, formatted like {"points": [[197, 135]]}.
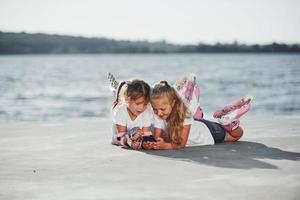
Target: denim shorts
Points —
{"points": [[216, 130]]}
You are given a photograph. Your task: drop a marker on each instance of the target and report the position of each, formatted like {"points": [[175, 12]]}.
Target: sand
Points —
{"points": [[75, 160]]}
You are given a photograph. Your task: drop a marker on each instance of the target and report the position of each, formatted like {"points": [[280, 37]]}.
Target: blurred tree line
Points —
{"points": [[25, 43]]}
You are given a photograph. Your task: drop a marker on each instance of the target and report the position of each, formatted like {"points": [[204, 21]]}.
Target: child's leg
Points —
{"points": [[234, 135], [219, 134], [230, 127], [229, 116]]}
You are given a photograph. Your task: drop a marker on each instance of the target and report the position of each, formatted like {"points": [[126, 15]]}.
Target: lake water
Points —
{"points": [[74, 87]]}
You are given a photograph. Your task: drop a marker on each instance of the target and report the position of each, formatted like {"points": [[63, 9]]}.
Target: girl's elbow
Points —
{"points": [[179, 146], [182, 144]]}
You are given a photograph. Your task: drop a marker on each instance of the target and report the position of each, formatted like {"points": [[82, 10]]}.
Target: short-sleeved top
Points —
{"points": [[199, 132], [121, 117]]}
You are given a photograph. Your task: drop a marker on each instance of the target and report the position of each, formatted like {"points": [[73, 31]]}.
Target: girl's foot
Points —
{"points": [[234, 115], [238, 104]]}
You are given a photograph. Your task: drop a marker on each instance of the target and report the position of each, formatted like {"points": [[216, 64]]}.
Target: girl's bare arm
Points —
{"points": [[121, 129], [161, 144]]}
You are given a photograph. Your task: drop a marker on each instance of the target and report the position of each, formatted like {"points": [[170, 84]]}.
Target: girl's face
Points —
{"points": [[162, 107], [137, 106]]}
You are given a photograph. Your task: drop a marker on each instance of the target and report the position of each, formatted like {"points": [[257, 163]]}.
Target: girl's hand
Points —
{"points": [[148, 145], [136, 144], [138, 134], [161, 144]]}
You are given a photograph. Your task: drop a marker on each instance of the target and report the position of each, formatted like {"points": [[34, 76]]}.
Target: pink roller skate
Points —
{"points": [[198, 114], [229, 116], [238, 104], [233, 125], [188, 92], [234, 115], [192, 97], [197, 91]]}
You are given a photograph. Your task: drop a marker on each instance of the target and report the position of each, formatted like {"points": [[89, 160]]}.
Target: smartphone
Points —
{"points": [[149, 138]]}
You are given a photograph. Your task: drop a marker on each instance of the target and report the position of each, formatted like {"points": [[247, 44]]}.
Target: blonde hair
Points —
{"points": [[134, 90], [179, 111]]}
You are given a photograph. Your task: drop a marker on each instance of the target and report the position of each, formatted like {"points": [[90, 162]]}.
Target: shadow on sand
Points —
{"points": [[241, 155]]}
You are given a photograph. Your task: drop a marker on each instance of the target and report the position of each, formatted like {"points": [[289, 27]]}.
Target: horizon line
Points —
{"points": [[152, 41]]}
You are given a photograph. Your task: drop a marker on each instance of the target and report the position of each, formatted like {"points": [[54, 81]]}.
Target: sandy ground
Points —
{"points": [[75, 160]]}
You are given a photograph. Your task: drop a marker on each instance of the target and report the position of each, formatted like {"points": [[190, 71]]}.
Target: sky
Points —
{"points": [[176, 21]]}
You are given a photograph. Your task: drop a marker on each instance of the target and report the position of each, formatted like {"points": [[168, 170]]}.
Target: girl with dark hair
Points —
{"points": [[132, 116]]}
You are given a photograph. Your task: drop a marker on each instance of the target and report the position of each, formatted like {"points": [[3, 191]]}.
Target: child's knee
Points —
{"points": [[235, 135], [238, 132]]}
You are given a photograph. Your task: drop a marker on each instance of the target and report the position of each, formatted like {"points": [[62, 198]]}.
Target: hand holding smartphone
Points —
{"points": [[149, 138]]}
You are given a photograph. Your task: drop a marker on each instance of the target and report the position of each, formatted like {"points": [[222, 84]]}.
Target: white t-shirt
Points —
{"points": [[121, 117], [199, 132]]}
